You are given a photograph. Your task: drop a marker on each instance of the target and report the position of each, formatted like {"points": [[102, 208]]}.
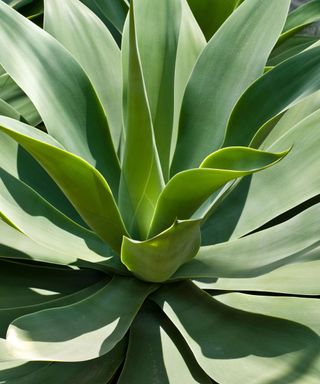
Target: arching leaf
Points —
{"points": [[72, 174], [232, 342], [82, 331], [86, 37], [234, 56], [60, 90], [187, 190]]}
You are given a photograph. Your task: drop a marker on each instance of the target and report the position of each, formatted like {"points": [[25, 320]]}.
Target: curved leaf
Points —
{"points": [[82, 331], [299, 171], [21, 165], [23, 284], [231, 61], [158, 50], [7, 110], [190, 44], [90, 42], [141, 176], [8, 315], [96, 371], [187, 190], [55, 239], [293, 279], [17, 4], [15, 369], [60, 90], [113, 12], [282, 87], [301, 310], [267, 134], [284, 258], [299, 18], [220, 225], [84, 186], [13, 95], [291, 47], [157, 348], [16, 245], [240, 345], [156, 259]]}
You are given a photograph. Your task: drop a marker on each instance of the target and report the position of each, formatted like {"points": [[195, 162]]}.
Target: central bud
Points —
{"points": [[157, 259]]}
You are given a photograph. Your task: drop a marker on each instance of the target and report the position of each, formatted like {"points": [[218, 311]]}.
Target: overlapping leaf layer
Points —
{"points": [[159, 192]]}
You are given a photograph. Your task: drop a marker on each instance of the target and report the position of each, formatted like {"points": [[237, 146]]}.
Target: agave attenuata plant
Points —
{"points": [[139, 241]]}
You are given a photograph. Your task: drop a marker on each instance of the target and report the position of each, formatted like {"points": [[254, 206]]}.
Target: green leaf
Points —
{"points": [[141, 176], [113, 12], [13, 95], [158, 50], [125, 54], [187, 190], [17, 4], [210, 14], [7, 110], [60, 90], [303, 367], [156, 259], [291, 47], [243, 344], [284, 258], [299, 170], [82, 331], [61, 242], [191, 43], [25, 210], [292, 279], [8, 315], [95, 371], [267, 134], [84, 35], [220, 225], [230, 62], [82, 184], [299, 18], [301, 310], [282, 87], [14, 369], [16, 245], [157, 348], [18, 163], [23, 284]]}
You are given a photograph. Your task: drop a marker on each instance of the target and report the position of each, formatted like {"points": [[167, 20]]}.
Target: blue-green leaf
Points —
{"points": [[60, 90], [141, 176], [234, 57], [90, 42], [82, 331], [283, 87]]}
